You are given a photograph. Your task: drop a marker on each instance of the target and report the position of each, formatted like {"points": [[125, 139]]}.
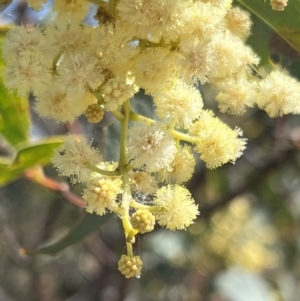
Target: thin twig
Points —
{"points": [[37, 175]]}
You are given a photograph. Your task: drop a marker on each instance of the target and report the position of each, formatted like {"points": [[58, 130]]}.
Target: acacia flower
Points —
{"points": [[116, 91], [74, 10], [66, 37], [216, 142], [229, 55], [179, 106], [27, 66], [156, 69], [178, 208], [54, 103], [101, 193], [142, 181], [150, 147], [143, 220], [279, 94], [278, 5], [238, 22], [236, 95], [130, 266], [181, 168], [79, 70], [71, 158]]}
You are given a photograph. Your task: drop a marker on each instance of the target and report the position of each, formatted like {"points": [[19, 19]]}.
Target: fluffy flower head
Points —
{"points": [[216, 142], [78, 70], [239, 23], [72, 9], [150, 147], [279, 94], [236, 95], [156, 69], [66, 37], [178, 209], [54, 103], [181, 168], [71, 158], [180, 106], [142, 181]]}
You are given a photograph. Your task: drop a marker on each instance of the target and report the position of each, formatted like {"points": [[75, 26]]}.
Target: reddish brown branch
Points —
{"points": [[37, 175]]}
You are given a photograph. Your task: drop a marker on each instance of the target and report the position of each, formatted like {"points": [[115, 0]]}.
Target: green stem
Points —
{"points": [[129, 249], [98, 95], [139, 118], [184, 137], [123, 161], [102, 171], [176, 134], [118, 115]]}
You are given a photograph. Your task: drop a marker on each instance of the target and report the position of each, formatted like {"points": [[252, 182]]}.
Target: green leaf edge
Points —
{"points": [[87, 224], [281, 28]]}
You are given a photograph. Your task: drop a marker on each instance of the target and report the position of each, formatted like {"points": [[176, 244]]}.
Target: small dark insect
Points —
{"points": [[62, 152]]}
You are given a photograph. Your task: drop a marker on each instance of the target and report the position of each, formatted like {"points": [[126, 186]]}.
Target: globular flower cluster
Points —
{"points": [[94, 113], [116, 91], [167, 48], [130, 266], [143, 221], [101, 194]]}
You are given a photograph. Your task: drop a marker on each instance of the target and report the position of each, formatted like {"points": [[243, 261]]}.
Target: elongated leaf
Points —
{"points": [[86, 226], [14, 110], [27, 156], [14, 117], [286, 23], [259, 40]]}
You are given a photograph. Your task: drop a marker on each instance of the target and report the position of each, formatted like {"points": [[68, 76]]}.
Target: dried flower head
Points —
{"points": [[278, 5]]}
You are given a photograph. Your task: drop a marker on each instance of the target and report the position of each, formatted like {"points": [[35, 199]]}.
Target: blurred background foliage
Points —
{"points": [[244, 246]]}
